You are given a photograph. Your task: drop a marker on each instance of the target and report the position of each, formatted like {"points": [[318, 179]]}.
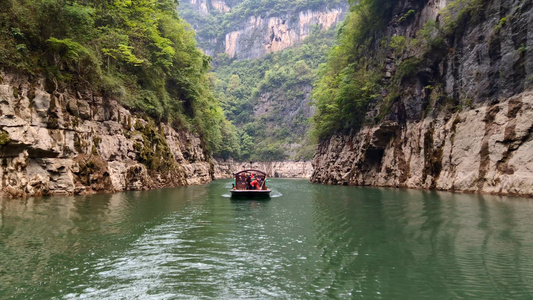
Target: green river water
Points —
{"points": [[306, 242]]}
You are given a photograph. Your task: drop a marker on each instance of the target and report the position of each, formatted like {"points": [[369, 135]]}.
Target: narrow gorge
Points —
{"points": [[266, 57], [266, 149], [426, 94]]}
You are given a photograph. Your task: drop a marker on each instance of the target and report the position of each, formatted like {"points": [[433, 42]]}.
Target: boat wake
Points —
{"points": [[275, 194]]}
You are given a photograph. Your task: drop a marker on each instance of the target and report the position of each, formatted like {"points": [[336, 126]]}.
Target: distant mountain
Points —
{"points": [[250, 28], [266, 59]]}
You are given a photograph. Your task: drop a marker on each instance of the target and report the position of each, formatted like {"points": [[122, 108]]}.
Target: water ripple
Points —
{"points": [[314, 242]]}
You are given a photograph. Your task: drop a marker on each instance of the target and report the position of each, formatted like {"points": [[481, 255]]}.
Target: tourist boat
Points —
{"points": [[250, 184]]}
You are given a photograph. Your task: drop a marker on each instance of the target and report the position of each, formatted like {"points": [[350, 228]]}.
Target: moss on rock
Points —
{"points": [[4, 138], [154, 152]]}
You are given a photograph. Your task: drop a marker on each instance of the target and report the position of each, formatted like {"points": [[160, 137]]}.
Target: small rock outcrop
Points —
{"points": [[64, 143]]}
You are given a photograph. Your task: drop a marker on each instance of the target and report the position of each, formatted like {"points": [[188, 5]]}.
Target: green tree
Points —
{"points": [[284, 78], [139, 52]]}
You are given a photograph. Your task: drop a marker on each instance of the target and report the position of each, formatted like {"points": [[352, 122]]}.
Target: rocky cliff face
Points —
{"points": [[259, 34], [285, 169], [488, 149], [64, 143], [479, 139], [206, 7]]}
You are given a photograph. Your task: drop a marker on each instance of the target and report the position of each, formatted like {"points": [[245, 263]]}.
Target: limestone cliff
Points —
{"points": [[488, 149], [257, 34], [65, 143], [206, 7], [465, 120]]}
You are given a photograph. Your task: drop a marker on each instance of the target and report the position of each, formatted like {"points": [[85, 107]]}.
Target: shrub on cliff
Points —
{"points": [[276, 86], [356, 87], [350, 80], [138, 51]]}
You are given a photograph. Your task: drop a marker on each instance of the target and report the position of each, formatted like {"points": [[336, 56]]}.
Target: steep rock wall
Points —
{"points": [[486, 150], [260, 36], [63, 143], [281, 113], [205, 7], [476, 137]]}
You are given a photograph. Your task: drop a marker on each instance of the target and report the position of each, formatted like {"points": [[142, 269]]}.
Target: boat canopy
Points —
{"points": [[249, 171]]}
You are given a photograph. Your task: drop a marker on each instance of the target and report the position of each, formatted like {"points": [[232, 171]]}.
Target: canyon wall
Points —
{"points": [[488, 150], [262, 35], [206, 7], [62, 143], [265, 31], [465, 120]]}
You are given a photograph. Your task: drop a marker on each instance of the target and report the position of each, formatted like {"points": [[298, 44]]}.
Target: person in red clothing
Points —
{"points": [[255, 184]]}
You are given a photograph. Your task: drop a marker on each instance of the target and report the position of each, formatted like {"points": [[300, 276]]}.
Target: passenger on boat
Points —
{"points": [[255, 184], [248, 182]]}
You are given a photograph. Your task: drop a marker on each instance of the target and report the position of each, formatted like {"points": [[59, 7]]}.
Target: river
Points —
{"points": [[307, 242]]}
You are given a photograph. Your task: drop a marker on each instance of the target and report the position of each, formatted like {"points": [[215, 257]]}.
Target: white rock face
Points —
{"points": [[220, 6], [257, 35], [201, 6], [261, 36], [73, 144], [484, 150]]}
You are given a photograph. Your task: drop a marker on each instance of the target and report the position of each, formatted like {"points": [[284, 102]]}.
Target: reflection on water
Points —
{"points": [[420, 245], [312, 242]]}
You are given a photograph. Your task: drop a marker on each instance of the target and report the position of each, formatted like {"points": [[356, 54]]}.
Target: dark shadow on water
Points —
{"points": [[241, 198], [249, 202]]}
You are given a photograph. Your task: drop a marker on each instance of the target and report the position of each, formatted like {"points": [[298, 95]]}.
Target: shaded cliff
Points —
{"points": [[451, 104], [75, 143]]}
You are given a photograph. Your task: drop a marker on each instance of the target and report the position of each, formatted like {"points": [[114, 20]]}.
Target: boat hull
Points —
{"points": [[250, 194]]}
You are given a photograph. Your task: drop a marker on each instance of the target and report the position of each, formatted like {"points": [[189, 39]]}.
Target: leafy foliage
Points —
{"points": [[138, 51], [277, 84], [4, 138], [349, 82], [354, 83]]}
